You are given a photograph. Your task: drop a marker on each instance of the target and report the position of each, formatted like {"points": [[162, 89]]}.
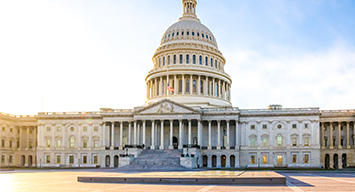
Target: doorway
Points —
{"points": [[107, 161], [23, 160], [335, 160], [205, 161], [223, 161], [30, 161], [175, 142], [326, 161], [343, 158], [214, 161], [232, 161], [116, 161]]}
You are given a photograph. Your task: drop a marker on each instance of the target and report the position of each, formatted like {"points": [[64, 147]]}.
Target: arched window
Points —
{"points": [[187, 33], [194, 86], [201, 87], [198, 34], [182, 33], [159, 62], [194, 59], [163, 61], [193, 33], [177, 33], [200, 60], [180, 86], [187, 59], [203, 35], [187, 86], [180, 59], [172, 35], [72, 142], [206, 36], [215, 64], [211, 62], [206, 61], [59, 143], [279, 140], [174, 59], [169, 60]]}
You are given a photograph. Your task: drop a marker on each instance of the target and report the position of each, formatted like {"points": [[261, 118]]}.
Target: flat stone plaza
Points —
{"points": [[66, 180]]}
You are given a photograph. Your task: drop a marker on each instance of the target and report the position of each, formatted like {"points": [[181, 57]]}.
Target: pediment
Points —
{"points": [[166, 106]]}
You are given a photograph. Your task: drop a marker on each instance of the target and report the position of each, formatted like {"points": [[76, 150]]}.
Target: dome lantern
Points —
{"points": [[189, 9]]}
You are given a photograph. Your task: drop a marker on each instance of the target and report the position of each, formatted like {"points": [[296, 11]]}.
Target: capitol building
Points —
{"points": [[187, 121]]}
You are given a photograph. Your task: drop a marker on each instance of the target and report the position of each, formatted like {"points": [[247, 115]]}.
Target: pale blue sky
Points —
{"points": [[83, 55]]}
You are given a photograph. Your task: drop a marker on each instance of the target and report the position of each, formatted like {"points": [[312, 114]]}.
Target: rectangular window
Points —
{"points": [[95, 160], [200, 60], [59, 143], [96, 144], [18, 144], [30, 143], [10, 159], [187, 59], [71, 159], [264, 126], [180, 59], [85, 159], [48, 129], [85, 144], [294, 158], [306, 126], [252, 142], [174, 59], [85, 129], [252, 126], [2, 142], [3, 129], [306, 141], [169, 55], [96, 128], [10, 130], [10, 144], [180, 86], [2, 158], [279, 159], [163, 61], [264, 142], [294, 126], [194, 59], [306, 158], [264, 159], [206, 61], [294, 141], [252, 159], [48, 159], [48, 144], [58, 159]]}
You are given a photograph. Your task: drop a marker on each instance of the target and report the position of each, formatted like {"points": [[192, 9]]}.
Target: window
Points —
{"points": [[96, 128], [187, 33], [187, 86], [85, 129], [216, 88], [85, 144], [2, 142], [182, 33], [71, 159], [294, 126], [194, 59], [264, 159], [95, 160], [10, 159], [48, 129], [159, 62], [342, 142], [169, 35], [59, 128], [193, 33], [174, 59], [252, 126], [58, 159], [180, 86], [10, 144], [264, 126], [294, 141], [59, 143], [203, 35], [2, 158], [264, 142], [200, 60], [279, 140], [211, 62], [194, 86], [206, 61], [96, 144], [172, 35], [279, 159], [294, 158], [187, 59], [177, 33], [201, 86], [252, 142], [10, 130], [18, 144], [180, 59], [30, 144], [306, 158], [306, 125], [198, 34], [85, 159], [71, 142], [3, 129], [306, 141], [163, 61], [207, 37], [169, 55], [252, 159], [48, 144], [48, 159], [215, 64]]}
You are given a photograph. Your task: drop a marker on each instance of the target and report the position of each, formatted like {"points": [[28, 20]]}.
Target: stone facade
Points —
{"points": [[188, 109]]}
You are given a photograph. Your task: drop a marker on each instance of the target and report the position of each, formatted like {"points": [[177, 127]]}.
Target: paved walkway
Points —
{"points": [[66, 180]]}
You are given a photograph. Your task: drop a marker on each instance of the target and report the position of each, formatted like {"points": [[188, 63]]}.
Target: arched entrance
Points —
{"points": [[343, 158], [335, 160], [107, 161], [30, 161], [205, 161], [232, 161], [214, 161], [23, 160], [223, 161], [326, 161], [175, 142], [116, 161]]}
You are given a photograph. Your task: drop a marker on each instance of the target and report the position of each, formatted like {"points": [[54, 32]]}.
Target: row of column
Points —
{"points": [[338, 126], [19, 136], [136, 132], [210, 86]]}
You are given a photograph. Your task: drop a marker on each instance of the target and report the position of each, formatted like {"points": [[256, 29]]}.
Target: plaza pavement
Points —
{"points": [[66, 180]]}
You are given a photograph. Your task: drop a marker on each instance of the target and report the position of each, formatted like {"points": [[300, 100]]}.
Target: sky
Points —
{"points": [[83, 55]]}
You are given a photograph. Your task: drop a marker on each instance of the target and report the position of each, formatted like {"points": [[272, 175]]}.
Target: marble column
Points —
{"points": [[219, 134], [339, 136], [121, 135], [135, 133], [129, 132], [153, 140], [191, 85], [206, 86], [180, 134], [138, 133], [228, 144], [103, 135], [35, 138], [209, 134], [28, 138], [183, 84], [199, 85], [162, 134], [189, 132], [236, 134], [331, 135], [160, 86], [199, 132], [171, 135], [322, 136], [219, 89], [175, 85], [347, 135], [143, 134], [213, 87], [112, 135]]}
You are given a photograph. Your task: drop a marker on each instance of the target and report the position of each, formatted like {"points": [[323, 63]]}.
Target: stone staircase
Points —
{"points": [[157, 159]]}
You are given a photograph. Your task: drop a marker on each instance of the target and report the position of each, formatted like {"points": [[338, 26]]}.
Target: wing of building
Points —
{"points": [[188, 121]]}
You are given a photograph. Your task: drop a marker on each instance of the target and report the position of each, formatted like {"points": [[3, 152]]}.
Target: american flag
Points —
{"points": [[170, 89]]}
